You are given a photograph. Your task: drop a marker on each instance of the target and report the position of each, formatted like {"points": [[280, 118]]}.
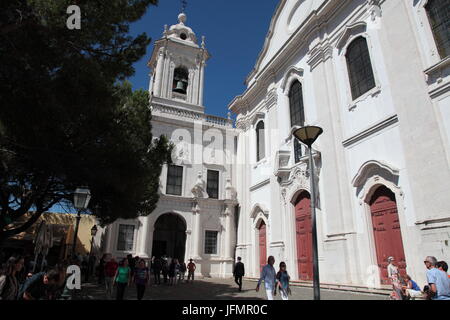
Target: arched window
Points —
{"points": [[297, 113], [359, 67], [260, 142], [439, 15], [296, 105], [180, 80]]}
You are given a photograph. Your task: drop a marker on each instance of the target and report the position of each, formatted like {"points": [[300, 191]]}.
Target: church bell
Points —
{"points": [[180, 88]]}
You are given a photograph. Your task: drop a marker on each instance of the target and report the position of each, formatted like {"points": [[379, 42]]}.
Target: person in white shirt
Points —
{"points": [[268, 274]]}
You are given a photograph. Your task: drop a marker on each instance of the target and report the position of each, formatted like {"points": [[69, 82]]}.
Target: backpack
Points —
{"points": [[26, 284]]}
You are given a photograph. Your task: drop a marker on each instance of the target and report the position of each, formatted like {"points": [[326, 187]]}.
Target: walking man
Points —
{"points": [[268, 274], [191, 269], [110, 271], [238, 273]]}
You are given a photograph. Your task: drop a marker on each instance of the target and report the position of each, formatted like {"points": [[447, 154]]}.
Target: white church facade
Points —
{"points": [[194, 217], [374, 75]]}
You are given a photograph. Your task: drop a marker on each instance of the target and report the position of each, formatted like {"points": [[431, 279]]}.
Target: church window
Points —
{"points": [[126, 237], [296, 105], [439, 15], [297, 113], [174, 180], [180, 80], [211, 242], [260, 142], [212, 185], [359, 67], [183, 36], [297, 151]]}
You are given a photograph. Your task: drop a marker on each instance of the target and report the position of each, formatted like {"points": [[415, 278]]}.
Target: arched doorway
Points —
{"points": [[169, 236], [262, 245], [303, 231], [386, 230]]}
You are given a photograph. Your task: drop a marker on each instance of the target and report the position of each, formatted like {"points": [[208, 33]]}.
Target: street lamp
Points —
{"points": [[307, 135], [81, 199]]}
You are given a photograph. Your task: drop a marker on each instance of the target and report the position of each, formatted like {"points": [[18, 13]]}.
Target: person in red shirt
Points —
{"points": [[110, 271], [191, 269]]}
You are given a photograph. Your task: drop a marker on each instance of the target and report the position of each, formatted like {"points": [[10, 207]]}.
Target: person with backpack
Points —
{"points": [[239, 272], [40, 286], [282, 282], [9, 283]]}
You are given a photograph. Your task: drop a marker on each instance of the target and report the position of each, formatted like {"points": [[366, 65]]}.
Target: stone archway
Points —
{"points": [[169, 236]]}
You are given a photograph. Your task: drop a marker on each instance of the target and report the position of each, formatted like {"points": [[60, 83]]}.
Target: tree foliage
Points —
{"points": [[68, 118]]}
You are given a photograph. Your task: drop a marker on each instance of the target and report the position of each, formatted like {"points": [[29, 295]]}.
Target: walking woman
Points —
{"points": [[141, 278], [9, 284], [122, 278], [283, 281]]}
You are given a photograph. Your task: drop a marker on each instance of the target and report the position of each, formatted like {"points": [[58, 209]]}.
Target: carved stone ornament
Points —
{"points": [[198, 190]]}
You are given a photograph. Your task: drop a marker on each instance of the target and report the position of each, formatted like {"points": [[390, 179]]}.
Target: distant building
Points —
{"points": [[62, 227], [195, 214]]}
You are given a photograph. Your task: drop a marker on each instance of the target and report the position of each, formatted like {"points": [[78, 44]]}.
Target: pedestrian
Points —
{"points": [[239, 272], [183, 269], [412, 290], [9, 283], [268, 274], [110, 271], [165, 270], [439, 284], [157, 267], [282, 282], [395, 278], [101, 269], [172, 272], [122, 278], [141, 278], [131, 262], [39, 286], [85, 268], [443, 266], [191, 270]]}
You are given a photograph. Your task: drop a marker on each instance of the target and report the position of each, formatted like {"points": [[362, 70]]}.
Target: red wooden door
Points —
{"points": [[262, 245], [387, 233], [303, 228]]}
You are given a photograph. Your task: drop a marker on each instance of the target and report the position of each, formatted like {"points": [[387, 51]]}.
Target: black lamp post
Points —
{"points": [[307, 135], [80, 200]]}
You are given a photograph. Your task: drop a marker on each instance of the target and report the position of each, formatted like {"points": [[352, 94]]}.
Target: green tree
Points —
{"points": [[68, 118]]}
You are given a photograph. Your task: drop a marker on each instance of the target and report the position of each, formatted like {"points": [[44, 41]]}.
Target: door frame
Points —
{"points": [[370, 186], [255, 230]]}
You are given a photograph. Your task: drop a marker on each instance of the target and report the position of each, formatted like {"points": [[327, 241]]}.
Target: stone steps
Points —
{"points": [[384, 290]]}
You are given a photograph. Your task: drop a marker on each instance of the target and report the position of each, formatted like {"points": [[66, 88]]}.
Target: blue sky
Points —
{"points": [[235, 32]]}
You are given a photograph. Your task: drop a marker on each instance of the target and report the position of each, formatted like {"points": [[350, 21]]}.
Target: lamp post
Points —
{"points": [[308, 135], [80, 200]]}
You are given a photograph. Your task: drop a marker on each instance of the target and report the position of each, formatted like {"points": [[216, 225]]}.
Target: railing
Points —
{"points": [[187, 114]]}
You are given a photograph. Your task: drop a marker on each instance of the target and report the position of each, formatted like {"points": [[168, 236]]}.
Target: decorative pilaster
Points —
{"points": [[196, 232]]}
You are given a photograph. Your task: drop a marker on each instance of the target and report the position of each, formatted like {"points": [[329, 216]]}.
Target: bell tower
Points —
{"points": [[177, 67]]}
